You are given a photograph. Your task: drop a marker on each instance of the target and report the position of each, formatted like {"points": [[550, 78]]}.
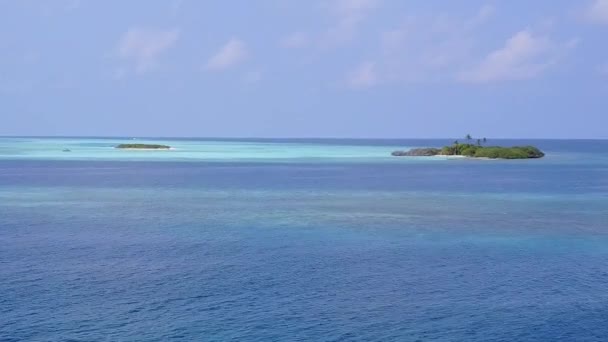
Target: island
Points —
{"points": [[143, 147], [418, 152], [475, 151]]}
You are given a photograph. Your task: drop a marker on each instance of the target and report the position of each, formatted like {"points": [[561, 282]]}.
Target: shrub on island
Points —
{"points": [[477, 151], [144, 146], [516, 152], [417, 152]]}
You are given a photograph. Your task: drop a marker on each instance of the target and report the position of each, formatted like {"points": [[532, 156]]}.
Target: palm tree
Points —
{"points": [[485, 140], [454, 149], [478, 142], [469, 137]]}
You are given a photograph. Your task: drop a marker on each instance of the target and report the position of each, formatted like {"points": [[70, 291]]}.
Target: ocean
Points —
{"points": [[300, 240]]}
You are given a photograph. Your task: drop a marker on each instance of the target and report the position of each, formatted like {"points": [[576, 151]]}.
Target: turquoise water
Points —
{"points": [[184, 150], [322, 240]]}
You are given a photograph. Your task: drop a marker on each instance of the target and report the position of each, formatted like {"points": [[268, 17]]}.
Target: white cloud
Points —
{"points": [[363, 76], [353, 8], [598, 12], [444, 48], [485, 13], [348, 15], [231, 54], [421, 48], [296, 40], [118, 74], [175, 7], [523, 56], [73, 4], [16, 87], [345, 17], [143, 46], [253, 76], [427, 48], [350, 6], [603, 69]]}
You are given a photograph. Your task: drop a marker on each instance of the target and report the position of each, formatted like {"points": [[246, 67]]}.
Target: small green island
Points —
{"points": [[143, 147], [477, 150]]}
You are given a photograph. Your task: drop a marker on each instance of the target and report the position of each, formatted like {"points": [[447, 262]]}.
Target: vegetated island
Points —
{"points": [[475, 151], [143, 147]]}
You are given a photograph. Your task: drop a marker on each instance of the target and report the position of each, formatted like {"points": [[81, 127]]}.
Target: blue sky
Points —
{"points": [[318, 68]]}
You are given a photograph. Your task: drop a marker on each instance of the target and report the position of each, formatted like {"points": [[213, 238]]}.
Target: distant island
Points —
{"points": [[143, 147], [475, 151]]}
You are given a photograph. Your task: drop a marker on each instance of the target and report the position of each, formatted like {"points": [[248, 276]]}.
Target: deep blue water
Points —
{"points": [[306, 250]]}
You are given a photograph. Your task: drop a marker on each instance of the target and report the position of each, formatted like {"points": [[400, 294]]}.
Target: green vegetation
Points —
{"points": [[493, 152], [144, 146], [477, 150], [417, 152]]}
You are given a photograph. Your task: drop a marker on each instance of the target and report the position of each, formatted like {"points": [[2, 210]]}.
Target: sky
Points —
{"points": [[315, 68]]}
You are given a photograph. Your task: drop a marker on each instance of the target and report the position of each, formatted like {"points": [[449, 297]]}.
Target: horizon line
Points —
{"points": [[271, 138]]}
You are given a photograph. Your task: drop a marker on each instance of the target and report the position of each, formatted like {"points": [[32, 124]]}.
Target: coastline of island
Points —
{"points": [[477, 151], [143, 147]]}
